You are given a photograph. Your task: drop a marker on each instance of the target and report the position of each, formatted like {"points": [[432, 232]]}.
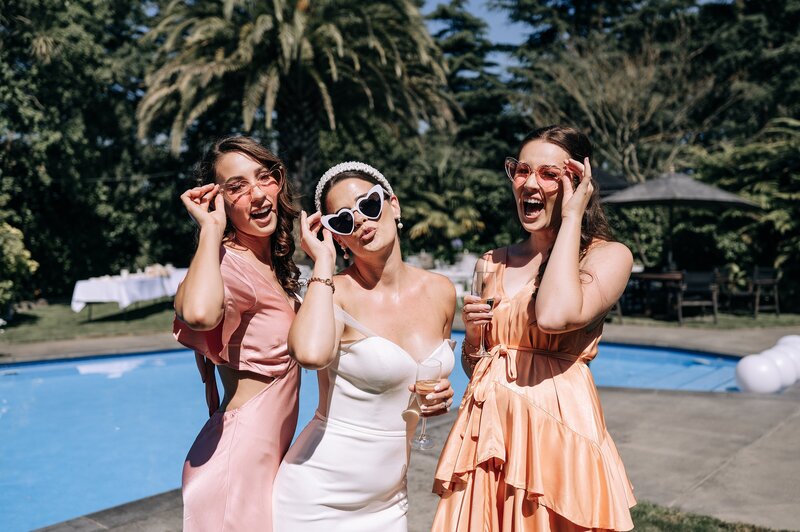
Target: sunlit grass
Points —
{"points": [[649, 517], [58, 322]]}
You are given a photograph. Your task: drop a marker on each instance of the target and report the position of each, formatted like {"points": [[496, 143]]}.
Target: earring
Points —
{"points": [[399, 222], [345, 254]]}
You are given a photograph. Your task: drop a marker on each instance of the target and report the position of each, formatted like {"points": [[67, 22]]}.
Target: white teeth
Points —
{"points": [[262, 211], [533, 201]]}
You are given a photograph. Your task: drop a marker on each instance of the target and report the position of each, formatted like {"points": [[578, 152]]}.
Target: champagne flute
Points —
{"points": [[483, 287], [428, 374]]}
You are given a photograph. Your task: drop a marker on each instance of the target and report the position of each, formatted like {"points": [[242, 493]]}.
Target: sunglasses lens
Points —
{"points": [[342, 223], [549, 177], [371, 206]]}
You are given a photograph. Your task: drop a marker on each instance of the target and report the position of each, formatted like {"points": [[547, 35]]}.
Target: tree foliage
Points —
{"points": [[104, 107], [299, 66], [80, 187], [766, 168], [16, 265]]}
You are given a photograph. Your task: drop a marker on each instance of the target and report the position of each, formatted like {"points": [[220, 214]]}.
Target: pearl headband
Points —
{"points": [[349, 166]]}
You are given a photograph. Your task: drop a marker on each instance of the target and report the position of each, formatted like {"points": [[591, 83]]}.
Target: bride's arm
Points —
{"points": [[315, 334]]}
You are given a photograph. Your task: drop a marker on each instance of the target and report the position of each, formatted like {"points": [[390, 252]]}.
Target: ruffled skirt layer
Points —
{"points": [[531, 453]]}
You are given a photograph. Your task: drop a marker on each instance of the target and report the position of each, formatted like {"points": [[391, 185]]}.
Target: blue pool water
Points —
{"points": [[80, 436]]}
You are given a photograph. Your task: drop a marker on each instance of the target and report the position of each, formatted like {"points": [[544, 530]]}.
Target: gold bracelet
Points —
{"points": [[467, 343], [328, 282], [469, 357]]}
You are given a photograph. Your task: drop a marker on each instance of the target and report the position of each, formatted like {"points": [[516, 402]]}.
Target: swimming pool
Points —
{"points": [[80, 436]]}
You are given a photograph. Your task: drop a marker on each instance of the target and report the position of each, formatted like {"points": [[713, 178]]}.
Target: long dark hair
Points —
{"points": [[594, 224], [281, 244]]}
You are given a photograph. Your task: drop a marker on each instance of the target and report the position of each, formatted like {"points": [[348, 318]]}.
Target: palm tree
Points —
{"points": [[296, 67], [441, 198]]}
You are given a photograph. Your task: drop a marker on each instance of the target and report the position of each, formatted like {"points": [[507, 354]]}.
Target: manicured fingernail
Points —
{"points": [[437, 388], [429, 397]]}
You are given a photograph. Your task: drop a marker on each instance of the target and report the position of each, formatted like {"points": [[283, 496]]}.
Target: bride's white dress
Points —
{"points": [[347, 469]]}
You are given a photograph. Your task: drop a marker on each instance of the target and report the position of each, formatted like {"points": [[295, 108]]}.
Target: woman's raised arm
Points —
{"points": [[315, 333], [199, 299]]}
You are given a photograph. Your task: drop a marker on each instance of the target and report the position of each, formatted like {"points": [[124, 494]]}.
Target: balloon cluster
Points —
{"points": [[770, 370]]}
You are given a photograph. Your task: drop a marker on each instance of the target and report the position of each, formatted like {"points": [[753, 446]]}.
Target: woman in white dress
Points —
{"points": [[365, 330]]}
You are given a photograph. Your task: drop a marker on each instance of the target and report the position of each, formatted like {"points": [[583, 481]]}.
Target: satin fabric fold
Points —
{"points": [[230, 470], [529, 449]]}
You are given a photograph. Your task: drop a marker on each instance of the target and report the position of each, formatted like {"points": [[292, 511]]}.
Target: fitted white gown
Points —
{"points": [[347, 469]]}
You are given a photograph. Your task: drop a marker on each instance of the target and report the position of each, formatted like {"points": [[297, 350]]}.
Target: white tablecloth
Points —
{"points": [[125, 290]]}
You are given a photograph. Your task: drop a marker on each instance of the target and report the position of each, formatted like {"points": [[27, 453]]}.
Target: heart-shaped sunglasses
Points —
{"points": [[370, 206]]}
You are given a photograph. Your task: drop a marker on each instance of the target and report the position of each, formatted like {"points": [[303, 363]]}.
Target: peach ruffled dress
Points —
{"points": [[529, 449], [230, 469]]}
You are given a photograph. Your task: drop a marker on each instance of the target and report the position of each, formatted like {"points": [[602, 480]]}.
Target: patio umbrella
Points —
{"points": [[609, 183], [681, 190]]}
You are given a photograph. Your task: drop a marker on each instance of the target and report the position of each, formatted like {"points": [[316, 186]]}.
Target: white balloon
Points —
{"points": [[785, 364], [791, 341], [759, 374], [794, 354]]}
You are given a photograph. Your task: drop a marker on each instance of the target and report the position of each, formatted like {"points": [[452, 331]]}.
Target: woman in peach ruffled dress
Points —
{"points": [[529, 449]]}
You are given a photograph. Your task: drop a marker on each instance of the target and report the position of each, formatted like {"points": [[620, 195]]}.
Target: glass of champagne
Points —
{"points": [[428, 374], [483, 287]]}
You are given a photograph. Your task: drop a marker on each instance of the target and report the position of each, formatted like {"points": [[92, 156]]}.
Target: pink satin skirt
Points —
{"points": [[230, 469]]}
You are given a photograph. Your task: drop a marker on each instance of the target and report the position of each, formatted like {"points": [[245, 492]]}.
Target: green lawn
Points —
{"points": [[653, 518], [58, 322]]}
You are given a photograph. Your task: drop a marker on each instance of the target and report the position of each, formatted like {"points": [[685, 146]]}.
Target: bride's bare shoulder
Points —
{"points": [[434, 282]]}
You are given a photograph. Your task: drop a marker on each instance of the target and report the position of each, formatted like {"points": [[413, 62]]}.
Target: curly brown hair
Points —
{"points": [[281, 244]]}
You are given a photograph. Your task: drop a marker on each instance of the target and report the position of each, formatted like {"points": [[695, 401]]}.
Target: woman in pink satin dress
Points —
{"points": [[234, 309], [529, 449]]}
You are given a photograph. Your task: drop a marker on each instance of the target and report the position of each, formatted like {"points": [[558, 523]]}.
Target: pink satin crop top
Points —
{"points": [[255, 325]]}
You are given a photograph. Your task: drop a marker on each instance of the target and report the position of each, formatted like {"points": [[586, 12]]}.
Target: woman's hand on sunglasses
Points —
{"points": [[198, 202], [577, 198], [322, 252]]}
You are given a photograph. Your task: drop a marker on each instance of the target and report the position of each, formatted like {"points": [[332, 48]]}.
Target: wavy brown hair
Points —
{"points": [[281, 244]]}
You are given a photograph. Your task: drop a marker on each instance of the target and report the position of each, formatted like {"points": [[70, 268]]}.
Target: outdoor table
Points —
{"points": [[651, 285], [124, 290]]}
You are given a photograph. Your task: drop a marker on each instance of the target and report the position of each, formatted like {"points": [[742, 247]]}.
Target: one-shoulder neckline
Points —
{"points": [[280, 293], [395, 344]]}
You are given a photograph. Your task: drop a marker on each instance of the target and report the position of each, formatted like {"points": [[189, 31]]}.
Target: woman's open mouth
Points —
{"points": [[531, 207], [261, 213]]}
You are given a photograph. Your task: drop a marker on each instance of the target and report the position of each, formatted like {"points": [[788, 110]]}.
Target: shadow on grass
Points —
{"points": [[131, 314], [22, 318]]}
